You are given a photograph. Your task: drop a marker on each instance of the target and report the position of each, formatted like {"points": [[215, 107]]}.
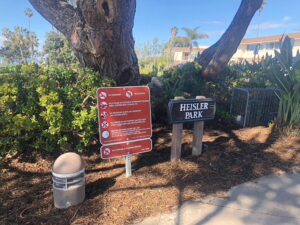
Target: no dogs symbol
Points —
{"points": [[106, 151]]}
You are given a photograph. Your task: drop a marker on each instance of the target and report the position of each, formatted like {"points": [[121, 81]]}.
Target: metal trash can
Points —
{"points": [[68, 180]]}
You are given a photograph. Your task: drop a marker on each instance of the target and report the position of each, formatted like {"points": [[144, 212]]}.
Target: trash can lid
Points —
{"points": [[68, 163]]}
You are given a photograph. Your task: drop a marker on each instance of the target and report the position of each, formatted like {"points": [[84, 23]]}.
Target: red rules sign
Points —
{"points": [[118, 150], [124, 115]]}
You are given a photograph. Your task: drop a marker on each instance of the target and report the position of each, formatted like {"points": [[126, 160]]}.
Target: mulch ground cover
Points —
{"points": [[229, 158]]}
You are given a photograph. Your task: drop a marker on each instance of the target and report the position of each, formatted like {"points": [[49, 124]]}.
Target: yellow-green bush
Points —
{"points": [[43, 109]]}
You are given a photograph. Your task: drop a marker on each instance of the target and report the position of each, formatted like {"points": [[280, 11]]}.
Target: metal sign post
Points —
{"points": [[128, 165]]}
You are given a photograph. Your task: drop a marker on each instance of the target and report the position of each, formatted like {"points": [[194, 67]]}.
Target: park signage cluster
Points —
{"points": [[124, 115]]}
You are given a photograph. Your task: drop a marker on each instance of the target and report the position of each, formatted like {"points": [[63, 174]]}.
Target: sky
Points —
{"points": [[155, 18]]}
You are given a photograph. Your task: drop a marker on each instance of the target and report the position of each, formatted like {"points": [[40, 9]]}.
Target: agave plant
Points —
{"points": [[285, 70]]}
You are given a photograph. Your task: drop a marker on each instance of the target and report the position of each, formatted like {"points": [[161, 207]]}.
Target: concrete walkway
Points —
{"points": [[272, 200]]}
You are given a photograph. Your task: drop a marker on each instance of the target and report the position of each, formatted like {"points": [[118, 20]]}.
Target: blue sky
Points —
{"points": [[155, 18]]}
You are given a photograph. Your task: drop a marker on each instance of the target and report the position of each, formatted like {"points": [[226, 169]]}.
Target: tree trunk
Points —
{"points": [[32, 53], [100, 33], [23, 60], [215, 58]]}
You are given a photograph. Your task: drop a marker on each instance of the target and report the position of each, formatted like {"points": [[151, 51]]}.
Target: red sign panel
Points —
{"points": [[123, 149], [124, 114]]}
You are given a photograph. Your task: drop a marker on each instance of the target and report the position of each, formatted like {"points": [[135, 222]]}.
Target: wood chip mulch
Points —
{"points": [[157, 186]]}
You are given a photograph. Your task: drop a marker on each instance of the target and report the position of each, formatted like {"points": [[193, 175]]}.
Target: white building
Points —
{"points": [[250, 49], [184, 55], [254, 49]]}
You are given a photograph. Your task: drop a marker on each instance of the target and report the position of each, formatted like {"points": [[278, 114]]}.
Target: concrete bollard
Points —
{"points": [[68, 180]]}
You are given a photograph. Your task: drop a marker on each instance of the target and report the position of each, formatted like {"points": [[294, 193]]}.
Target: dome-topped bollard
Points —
{"points": [[68, 180]]}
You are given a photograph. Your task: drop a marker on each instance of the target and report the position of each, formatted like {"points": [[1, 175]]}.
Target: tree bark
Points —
{"points": [[100, 33], [215, 58]]}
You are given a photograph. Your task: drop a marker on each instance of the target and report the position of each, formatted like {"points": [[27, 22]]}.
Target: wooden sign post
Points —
{"points": [[189, 110], [176, 137], [198, 135]]}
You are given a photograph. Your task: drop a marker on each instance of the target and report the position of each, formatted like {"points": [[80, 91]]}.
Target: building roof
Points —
{"points": [[275, 38]]}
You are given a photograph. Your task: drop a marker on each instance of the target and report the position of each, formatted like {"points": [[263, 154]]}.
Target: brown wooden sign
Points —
{"points": [[191, 110]]}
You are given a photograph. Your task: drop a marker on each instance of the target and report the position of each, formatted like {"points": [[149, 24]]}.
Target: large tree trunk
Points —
{"points": [[215, 58], [100, 33]]}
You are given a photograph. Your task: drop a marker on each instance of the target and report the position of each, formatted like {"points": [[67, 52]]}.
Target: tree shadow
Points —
{"points": [[99, 186], [28, 198], [230, 162], [226, 162]]}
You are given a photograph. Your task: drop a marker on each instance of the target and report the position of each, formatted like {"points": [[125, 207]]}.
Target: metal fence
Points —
{"points": [[254, 106]]}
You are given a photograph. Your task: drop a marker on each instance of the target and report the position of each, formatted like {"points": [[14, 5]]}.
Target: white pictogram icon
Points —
{"points": [[103, 105], [105, 124], [129, 94], [102, 95], [104, 115], [106, 151], [105, 134]]}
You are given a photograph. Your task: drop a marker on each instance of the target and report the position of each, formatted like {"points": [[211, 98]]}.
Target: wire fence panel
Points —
{"points": [[254, 106]]}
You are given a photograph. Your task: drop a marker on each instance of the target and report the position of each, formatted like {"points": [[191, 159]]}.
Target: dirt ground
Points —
{"points": [[230, 157]]}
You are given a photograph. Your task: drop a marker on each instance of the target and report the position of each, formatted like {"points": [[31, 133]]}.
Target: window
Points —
{"points": [[269, 46], [253, 47], [186, 56]]}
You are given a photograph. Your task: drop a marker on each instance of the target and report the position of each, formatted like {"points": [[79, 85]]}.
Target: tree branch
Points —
{"points": [[216, 57], [59, 13]]}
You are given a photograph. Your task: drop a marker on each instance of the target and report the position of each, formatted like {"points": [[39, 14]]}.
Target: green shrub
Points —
{"points": [[286, 76], [185, 80], [48, 108]]}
